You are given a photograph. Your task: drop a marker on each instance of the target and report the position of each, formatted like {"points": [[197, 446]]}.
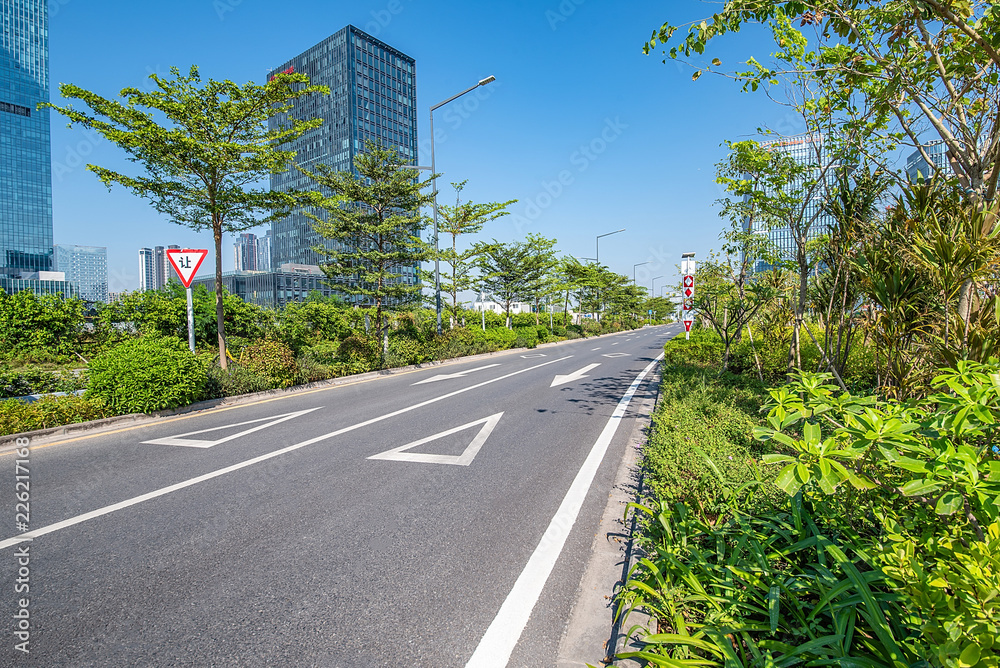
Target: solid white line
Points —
{"points": [[501, 637], [36, 533]]}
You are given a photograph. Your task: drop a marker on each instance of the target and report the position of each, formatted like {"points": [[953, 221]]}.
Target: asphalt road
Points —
{"points": [[302, 531]]}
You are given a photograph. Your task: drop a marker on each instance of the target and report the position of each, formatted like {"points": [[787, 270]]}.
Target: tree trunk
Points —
{"points": [[219, 312]]}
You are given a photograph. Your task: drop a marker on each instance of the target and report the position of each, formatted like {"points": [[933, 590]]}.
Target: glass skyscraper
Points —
{"points": [[25, 153], [917, 167], [372, 98], [86, 267]]}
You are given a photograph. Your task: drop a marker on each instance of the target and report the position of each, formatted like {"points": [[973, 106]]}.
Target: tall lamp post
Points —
{"points": [[652, 293], [638, 265], [437, 260], [598, 259]]}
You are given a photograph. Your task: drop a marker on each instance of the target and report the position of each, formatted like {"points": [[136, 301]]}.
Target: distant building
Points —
{"points": [[496, 307], [264, 252], [155, 270], [808, 150], [917, 167], [245, 253], [25, 150], [372, 98], [87, 267], [41, 283], [273, 289]]}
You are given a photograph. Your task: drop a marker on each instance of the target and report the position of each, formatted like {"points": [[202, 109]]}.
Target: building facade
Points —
{"points": [[372, 98], [273, 289], [807, 150], [245, 253], [917, 167], [264, 252], [25, 152], [155, 270], [86, 267]]}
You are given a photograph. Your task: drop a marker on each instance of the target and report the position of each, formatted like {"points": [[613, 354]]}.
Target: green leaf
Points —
{"points": [[774, 606], [970, 656], [949, 503], [920, 487], [787, 481]]}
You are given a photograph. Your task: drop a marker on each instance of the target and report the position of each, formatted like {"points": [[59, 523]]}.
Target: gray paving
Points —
{"points": [[320, 556]]}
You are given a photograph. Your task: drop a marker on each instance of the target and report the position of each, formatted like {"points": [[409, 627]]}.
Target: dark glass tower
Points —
{"points": [[372, 97], [25, 154]]}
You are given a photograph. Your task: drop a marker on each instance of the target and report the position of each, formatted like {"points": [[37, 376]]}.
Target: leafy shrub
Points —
{"points": [[502, 337], [236, 380], [543, 333], [324, 352], [272, 360], [310, 322], [526, 337], [405, 350], [704, 348], [311, 371], [31, 380], [357, 354], [41, 327], [145, 375], [17, 417], [460, 342]]}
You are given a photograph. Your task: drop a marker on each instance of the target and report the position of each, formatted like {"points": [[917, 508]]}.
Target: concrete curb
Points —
{"points": [[593, 636], [78, 428]]}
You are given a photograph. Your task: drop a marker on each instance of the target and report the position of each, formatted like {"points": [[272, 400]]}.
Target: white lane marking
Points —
{"points": [[535, 356], [460, 374], [196, 443], [36, 533], [615, 344], [595, 350], [615, 355], [576, 375], [400, 454], [501, 637]]}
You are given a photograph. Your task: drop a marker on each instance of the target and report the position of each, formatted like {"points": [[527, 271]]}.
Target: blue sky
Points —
{"points": [[587, 132]]}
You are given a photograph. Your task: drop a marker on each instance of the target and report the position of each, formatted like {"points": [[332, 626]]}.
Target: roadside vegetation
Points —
{"points": [[822, 475]]}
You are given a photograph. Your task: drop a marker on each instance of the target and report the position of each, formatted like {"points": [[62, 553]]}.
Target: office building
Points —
{"points": [[273, 289], [806, 150], [25, 153], [917, 167], [372, 98], [86, 267], [245, 253], [264, 252], [155, 270]]}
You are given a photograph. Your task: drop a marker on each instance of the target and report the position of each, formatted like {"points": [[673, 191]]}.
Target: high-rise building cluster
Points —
{"points": [[155, 270], [252, 253]]}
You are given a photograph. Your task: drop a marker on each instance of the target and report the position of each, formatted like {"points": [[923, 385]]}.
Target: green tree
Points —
{"points": [[374, 216], [30, 322], [543, 267], [202, 166], [509, 272], [462, 219]]}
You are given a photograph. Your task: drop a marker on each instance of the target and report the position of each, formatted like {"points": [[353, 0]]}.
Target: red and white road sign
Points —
{"points": [[186, 263], [687, 325], [688, 293], [688, 304], [689, 281]]}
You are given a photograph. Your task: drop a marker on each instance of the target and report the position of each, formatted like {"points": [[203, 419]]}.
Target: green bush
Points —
{"points": [[234, 381], [543, 333], [272, 360], [40, 328], [17, 417], [502, 337], [460, 342], [357, 354], [324, 352], [526, 337], [32, 380], [405, 350], [704, 348], [147, 374]]}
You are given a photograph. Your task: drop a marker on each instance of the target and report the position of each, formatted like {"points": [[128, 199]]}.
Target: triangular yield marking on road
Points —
{"points": [[182, 441], [400, 454]]}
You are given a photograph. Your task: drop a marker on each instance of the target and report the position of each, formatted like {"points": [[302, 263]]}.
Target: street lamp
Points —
{"points": [[437, 261], [598, 260], [652, 293], [638, 265]]}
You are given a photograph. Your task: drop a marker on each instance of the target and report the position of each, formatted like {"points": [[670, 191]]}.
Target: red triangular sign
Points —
{"points": [[186, 263], [687, 325]]}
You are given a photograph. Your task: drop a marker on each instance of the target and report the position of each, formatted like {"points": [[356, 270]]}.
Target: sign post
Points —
{"points": [[688, 266], [186, 263]]}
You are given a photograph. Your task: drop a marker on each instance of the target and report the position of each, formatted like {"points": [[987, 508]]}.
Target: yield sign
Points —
{"points": [[689, 281], [400, 454], [186, 263], [182, 439]]}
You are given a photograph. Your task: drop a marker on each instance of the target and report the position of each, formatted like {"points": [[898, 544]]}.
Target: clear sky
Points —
{"points": [[632, 140]]}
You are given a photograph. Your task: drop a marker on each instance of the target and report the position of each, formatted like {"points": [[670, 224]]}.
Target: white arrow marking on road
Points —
{"points": [[196, 443], [400, 454], [576, 375], [460, 374], [614, 355]]}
